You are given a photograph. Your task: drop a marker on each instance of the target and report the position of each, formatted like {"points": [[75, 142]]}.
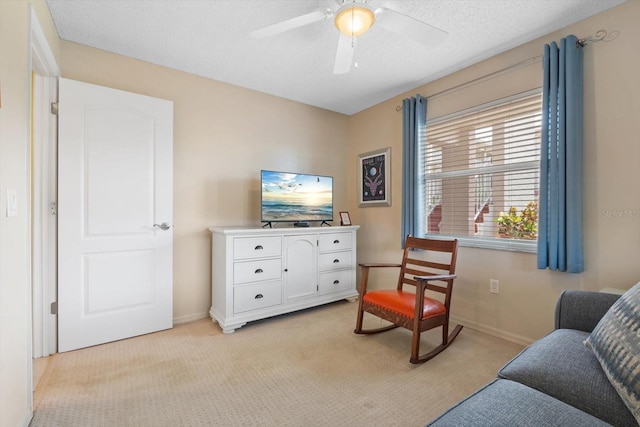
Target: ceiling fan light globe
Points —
{"points": [[354, 21]]}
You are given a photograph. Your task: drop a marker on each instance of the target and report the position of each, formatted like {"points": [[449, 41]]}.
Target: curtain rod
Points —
{"points": [[481, 78], [600, 35]]}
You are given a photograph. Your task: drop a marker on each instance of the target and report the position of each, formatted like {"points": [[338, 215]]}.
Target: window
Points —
{"points": [[481, 169]]}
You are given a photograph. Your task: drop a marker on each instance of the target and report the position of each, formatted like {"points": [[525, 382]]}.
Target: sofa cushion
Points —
{"points": [[561, 366], [510, 404], [616, 343]]}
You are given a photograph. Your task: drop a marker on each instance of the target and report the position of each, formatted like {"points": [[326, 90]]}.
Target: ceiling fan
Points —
{"points": [[353, 18]]}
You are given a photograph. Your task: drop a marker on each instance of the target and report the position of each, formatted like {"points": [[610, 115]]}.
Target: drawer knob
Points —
{"points": [[258, 248], [335, 261], [335, 242], [258, 271], [258, 296], [335, 282]]}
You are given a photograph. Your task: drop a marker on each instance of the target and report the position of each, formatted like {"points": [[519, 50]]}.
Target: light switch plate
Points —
{"points": [[12, 202]]}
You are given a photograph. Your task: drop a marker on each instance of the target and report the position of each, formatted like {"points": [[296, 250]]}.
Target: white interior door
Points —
{"points": [[115, 176]]}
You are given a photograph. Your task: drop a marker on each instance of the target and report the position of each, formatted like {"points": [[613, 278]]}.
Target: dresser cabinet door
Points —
{"points": [[300, 272]]}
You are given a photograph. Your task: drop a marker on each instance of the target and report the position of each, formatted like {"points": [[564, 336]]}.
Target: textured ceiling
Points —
{"points": [[211, 38]]}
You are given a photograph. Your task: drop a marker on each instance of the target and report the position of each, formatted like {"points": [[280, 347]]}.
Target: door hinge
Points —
{"points": [[52, 208], [54, 307], [54, 108]]}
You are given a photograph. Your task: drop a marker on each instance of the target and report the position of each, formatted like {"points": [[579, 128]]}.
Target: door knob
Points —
{"points": [[164, 226]]}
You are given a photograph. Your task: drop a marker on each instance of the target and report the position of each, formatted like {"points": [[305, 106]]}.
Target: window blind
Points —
{"points": [[481, 170]]}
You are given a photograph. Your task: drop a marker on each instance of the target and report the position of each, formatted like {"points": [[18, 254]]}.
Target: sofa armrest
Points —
{"points": [[582, 310]]}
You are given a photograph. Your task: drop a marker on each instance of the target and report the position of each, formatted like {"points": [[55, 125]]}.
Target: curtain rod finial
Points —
{"points": [[600, 36]]}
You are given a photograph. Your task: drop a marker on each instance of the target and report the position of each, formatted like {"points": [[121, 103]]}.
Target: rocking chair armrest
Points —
{"points": [[379, 264], [423, 283], [435, 277], [365, 274]]}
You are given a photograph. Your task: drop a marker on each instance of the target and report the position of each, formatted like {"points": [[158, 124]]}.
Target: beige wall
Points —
{"points": [[223, 136], [15, 287], [523, 311]]}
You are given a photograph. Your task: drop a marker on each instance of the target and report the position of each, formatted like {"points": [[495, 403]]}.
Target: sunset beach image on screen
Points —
{"points": [[296, 197]]}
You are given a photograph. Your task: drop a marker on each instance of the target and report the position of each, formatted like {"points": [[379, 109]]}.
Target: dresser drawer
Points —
{"points": [[254, 271], [334, 241], [259, 295], [335, 281], [257, 247], [334, 260]]}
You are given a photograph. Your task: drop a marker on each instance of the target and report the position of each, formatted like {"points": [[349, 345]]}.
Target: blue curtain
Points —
{"points": [[414, 117], [560, 237]]}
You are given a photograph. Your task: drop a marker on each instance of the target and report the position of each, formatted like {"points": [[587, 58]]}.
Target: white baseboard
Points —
{"points": [[491, 331], [518, 339], [26, 419], [190, 318]]}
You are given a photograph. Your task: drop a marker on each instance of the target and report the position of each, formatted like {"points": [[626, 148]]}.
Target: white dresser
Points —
{"points": [[262, 272]]}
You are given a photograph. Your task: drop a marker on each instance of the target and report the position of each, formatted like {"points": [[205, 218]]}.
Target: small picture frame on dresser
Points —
{"points": [[344, 218]]}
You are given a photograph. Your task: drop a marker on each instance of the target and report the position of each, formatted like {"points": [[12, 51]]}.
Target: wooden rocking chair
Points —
{"points": [[410, 308]]}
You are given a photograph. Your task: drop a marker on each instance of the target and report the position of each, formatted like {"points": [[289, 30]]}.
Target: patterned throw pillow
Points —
{"points": [[616, 343]]}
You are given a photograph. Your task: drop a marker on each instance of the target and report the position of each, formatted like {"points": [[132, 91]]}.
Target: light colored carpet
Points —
{"points": [[302, 369]]}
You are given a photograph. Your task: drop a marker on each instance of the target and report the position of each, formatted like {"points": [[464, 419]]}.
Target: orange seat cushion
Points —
{"points": [[404, 303]]}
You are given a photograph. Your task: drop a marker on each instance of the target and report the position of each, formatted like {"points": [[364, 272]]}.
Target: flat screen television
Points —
{"points": [[295, 197]]}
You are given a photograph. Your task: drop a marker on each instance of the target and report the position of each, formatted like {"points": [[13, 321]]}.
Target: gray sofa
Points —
{"points": [[556, 381]]}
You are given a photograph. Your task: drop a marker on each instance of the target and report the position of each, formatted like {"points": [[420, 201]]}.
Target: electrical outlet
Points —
{"points": [[494, 286]]}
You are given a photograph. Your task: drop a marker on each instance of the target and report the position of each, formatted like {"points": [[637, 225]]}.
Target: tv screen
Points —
{"points": [[296, 197]]}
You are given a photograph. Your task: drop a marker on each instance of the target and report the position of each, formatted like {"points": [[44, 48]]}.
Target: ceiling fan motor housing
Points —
{"points": [[354, 18]]}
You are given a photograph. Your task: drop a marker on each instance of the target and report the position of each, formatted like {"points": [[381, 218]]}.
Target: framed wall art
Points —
{"points": [[375, 178], [345, 219]]}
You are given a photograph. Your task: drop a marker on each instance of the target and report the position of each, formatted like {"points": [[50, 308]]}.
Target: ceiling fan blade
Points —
{"points": [[290, 24], [412, 28], [344, 54]]}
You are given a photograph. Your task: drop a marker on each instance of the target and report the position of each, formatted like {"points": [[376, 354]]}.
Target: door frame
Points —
{"points": [[42, 186]]}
